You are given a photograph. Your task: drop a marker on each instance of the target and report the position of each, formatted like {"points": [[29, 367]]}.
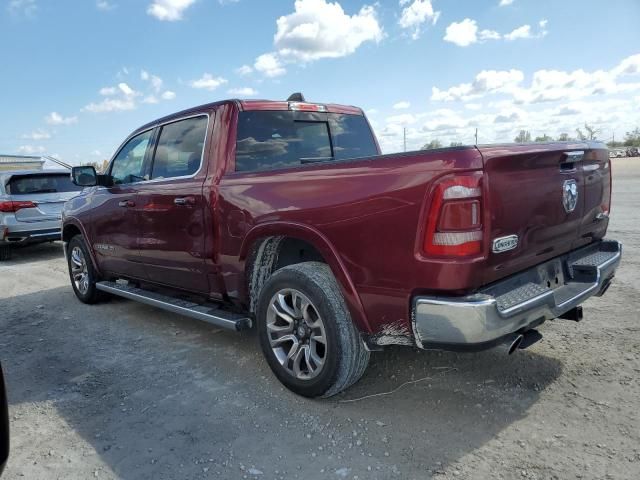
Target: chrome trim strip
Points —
{"points": [[183, 177]]}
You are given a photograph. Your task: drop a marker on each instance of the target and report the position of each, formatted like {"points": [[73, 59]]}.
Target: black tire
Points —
{"points": [[345, 357], [5, 253], [92, 294]]}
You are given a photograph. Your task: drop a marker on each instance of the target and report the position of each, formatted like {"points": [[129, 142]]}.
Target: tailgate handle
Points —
{"points": [[184, 201], [572, 157]]}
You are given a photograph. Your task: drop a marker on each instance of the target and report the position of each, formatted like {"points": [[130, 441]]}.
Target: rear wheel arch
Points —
{"points": [[267, 251]]}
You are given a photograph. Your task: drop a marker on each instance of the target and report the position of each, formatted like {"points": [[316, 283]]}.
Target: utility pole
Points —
{"points": [[476, 135], [404, 134]]}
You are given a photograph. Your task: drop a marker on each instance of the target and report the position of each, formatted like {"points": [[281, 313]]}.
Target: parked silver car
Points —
{"points": [[31, 202]]}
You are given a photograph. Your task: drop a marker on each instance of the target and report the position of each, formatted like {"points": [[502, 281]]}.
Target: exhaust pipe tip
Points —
{"points": [[515, 344]]}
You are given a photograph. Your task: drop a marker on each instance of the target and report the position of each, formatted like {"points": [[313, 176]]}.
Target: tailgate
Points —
{"points": [[552, 197], [47, 206]]}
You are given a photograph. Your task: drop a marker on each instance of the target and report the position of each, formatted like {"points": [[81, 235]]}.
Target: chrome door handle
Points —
{"points": [[126, 203], [184, 201]]}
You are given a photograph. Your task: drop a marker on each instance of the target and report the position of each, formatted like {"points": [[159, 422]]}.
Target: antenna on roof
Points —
{"points": [[59, 162], [296, 97]]}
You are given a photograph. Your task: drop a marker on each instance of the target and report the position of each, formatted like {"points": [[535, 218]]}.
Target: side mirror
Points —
{"points": [[84, 176]]}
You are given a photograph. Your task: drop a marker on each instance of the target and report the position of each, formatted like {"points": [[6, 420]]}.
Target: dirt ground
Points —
{"points": [[122, 390]]}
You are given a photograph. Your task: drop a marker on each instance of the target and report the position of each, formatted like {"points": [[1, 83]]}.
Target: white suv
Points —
{"points": [[31, 204]]}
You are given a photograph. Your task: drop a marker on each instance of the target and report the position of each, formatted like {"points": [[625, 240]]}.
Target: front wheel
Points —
{"points": [[306, 332], [81, 272]]}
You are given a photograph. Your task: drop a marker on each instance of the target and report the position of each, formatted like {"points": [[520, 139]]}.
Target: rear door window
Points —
{"points": [[41, 183], [280, 139], [179, 149]]}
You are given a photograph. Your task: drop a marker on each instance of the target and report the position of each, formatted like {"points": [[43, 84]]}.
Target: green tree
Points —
{"points": [[544, 138], [564, 137], [456, 144], [523, 137], [432, 145], [591, 133], [632, 138]]}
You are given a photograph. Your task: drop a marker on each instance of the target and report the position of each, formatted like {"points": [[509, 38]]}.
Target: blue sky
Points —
{"points": [[78, 76]]}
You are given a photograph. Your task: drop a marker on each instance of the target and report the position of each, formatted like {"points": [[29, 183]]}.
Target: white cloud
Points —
{"points": [[521, 32], [487, 81], [22, 7], [105, 5], [505, 2], [401, 105], [208, 82], [168, 95], [127, 90], [320, 29], [413, 16], [244, 70], [243, 91], [270, 65], [154, 80], [108, 91], [37, 135], [31, 149], [169, 10], [546, 102], [628, 66], [150, 99], [462, 33], [402, 119], [111, 105], [54, 118], [467, 33]]}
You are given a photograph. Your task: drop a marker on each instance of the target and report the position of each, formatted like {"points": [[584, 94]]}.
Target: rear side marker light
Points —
{"points": [[454, 220]]}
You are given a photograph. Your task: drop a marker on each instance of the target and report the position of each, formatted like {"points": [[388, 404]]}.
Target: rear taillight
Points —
{"points": [[12, 207], [606, 195], [454, 220]]}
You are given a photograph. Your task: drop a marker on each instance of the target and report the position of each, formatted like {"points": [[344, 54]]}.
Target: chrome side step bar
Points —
{"points": [[215, 316]]}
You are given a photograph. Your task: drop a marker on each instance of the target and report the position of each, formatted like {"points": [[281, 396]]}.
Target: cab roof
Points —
{"points": [[248, 105]]}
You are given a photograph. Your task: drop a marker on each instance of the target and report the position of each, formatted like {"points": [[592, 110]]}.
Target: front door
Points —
{"points": [[172, 207], [115, 227]]}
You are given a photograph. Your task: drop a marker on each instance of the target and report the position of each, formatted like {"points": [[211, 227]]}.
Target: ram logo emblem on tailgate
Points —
{"points": [[570, 195], [504, 244]]}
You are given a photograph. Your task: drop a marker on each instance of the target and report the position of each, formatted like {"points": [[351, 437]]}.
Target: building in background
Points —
{"points": [[20, 162]]}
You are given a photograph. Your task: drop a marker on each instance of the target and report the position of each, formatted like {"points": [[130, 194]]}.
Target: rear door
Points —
{"points": [[172, 207], [537, 194], [115, 222]]}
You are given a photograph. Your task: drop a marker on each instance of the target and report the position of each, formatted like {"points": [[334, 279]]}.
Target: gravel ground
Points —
{"points": [[122, 390]]}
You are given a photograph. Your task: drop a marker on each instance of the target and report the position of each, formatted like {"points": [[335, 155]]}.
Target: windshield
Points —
{"points": [[280, 139], [41, 183]]}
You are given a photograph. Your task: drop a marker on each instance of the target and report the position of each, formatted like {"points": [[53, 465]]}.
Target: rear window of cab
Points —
{"points": [[268, 140]]}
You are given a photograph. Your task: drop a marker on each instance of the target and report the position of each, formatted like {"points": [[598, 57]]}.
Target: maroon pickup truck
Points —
{"points": [[284, 215]]}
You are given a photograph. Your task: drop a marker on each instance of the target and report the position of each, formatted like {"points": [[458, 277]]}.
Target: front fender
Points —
{"points": [[72, 222]]}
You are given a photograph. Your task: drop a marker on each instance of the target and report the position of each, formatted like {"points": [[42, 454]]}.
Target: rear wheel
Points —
{"points": [[306, 332], [81, 272], [5, 252]]}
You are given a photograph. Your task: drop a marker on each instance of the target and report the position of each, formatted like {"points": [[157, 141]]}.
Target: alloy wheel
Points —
{"points": [[296, 333]]}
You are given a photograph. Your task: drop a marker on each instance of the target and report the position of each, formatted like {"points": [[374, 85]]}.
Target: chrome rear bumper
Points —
{"points": [[517, 303]]}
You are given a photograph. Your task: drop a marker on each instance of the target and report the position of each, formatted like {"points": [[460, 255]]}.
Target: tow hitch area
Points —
{"points": [[575, 314]]}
